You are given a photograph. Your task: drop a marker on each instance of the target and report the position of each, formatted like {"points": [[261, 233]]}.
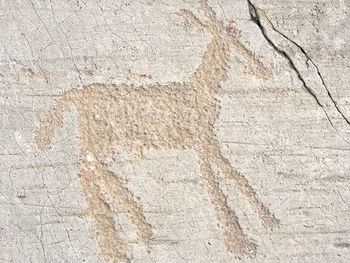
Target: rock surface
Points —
{"points": [[174, 131]]}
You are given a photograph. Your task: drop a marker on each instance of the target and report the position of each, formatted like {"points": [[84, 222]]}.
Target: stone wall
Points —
{"points": [[174, 131]]}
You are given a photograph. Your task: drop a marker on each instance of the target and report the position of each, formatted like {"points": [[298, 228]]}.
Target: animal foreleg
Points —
{"points": [[243, 185], [235, 239]]}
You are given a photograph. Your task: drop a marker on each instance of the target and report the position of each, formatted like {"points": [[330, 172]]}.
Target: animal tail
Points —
{"points": [[53, 120]]}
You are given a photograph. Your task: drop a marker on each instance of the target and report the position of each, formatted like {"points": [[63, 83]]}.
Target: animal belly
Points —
{"points": [[164, 133]]}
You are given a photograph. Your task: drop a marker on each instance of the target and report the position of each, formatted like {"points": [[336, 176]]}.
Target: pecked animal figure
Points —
{"points": [[173, 116]]}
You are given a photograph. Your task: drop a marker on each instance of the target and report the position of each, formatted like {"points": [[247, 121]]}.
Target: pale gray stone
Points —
{"points": [[288, 134]]}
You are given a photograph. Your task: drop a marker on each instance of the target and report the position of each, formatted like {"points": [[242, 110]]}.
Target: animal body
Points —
{"points": [[173, 116]]}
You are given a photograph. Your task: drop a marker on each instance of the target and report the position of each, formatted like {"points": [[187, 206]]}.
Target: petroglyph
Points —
{"points": [[173, 116]]}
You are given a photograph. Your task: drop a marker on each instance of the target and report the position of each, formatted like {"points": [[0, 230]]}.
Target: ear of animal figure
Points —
{"points": [[112, 247], [255, 66]]}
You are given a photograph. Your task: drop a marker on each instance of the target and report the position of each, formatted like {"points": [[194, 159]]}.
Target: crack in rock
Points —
{"points": [[316, 67], [255, 17]]}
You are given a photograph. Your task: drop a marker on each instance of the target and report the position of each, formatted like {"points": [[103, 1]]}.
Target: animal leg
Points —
{"points": [[263, 212], [113, 249], [235, 240], [120, 198]]}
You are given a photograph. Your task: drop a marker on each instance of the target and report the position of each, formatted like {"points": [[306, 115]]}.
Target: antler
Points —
{"points": [[192, 19], [209, 12], [212, 25]]}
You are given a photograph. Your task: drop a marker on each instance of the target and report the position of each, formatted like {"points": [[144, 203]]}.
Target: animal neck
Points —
{"points": [[213, 68]]}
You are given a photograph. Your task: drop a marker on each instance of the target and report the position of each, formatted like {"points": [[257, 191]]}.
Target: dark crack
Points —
{"points": [[316, 67], [256, 19]]}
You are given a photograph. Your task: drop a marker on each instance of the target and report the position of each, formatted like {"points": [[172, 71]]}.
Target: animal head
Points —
{"points": [[212, 25]]}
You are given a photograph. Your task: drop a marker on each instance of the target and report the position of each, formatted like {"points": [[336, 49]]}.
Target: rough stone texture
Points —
{"points": [[174, 131]]}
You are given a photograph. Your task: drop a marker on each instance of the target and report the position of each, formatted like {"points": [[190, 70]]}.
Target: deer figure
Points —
{"points": [[134, 119]]}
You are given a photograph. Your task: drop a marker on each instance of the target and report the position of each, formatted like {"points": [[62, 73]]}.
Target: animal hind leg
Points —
{"points": [[235, 240], [113, 249], [121, 198]]}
